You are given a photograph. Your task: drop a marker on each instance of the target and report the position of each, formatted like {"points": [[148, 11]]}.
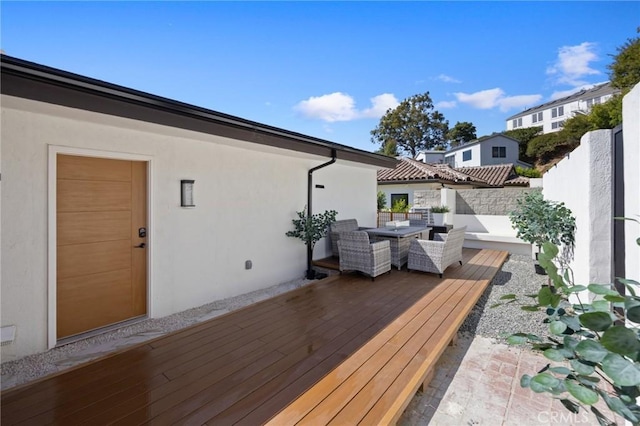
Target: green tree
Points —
{"points": [[523, 136], [574, 128], [414, 125], [607, 115], [461, 133], [389, 148], [625, 68], [544, 147]]}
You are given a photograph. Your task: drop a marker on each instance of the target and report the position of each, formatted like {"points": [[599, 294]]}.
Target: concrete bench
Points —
{"points": [[493, 241], [376, 383]]}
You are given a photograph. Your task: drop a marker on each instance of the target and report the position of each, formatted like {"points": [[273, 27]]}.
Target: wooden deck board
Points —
{"points": [[248, 365], [346, 394]]}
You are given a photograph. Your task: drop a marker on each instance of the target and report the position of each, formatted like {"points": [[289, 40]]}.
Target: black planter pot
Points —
{"points": [[539, 269], [313, 275]]}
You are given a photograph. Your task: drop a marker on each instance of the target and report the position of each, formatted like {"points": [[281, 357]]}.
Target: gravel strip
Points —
{"points": [[517, 276]]}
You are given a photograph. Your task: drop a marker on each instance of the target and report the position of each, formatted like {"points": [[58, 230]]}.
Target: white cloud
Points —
{"points": [[520, 101], [447, 79], [492, 98], [484, 99], [379, 105], [573, 64], [445, 104], [340, 106], [336, 106]]}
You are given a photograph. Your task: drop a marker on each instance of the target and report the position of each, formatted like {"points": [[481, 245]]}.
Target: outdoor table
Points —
{"points": [[399, 239]]}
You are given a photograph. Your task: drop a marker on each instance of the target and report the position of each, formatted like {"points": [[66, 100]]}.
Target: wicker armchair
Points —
{"points": [[338, 227], [435, 256], [358, 254]]}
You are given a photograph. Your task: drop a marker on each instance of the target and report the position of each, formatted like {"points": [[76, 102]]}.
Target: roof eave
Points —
{"points": [[37, 82]]}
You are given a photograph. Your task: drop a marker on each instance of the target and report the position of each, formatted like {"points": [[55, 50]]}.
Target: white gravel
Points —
{"points": [[517, 276]]}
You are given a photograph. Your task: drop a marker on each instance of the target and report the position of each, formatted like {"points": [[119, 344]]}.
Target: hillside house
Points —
{"points": [[552, 115], [486, 151]]}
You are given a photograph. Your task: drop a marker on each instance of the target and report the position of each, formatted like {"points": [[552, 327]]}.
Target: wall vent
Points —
{"points": [[7, 335]]}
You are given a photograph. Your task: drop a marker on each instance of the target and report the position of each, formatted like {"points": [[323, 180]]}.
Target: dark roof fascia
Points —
{"points": [[472, 183], [405, 181], [37, 82]]}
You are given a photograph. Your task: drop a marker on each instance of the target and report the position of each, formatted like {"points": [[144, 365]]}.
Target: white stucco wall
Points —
{"points": [[245, 196], [511, 151], [631, 135], [584, 182], [351, 191], [430, 156], [459, 162]]}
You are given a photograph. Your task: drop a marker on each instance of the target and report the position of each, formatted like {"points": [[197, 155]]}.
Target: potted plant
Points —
{"points": [[310, 229], [438, 214], [537, 221]]}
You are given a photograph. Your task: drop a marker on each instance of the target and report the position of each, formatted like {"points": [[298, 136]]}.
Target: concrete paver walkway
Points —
{"points": [[477, 382]]}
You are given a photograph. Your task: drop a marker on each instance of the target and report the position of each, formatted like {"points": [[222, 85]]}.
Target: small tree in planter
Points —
{"points": [[538, 221], [310, 229], [438, 213]]}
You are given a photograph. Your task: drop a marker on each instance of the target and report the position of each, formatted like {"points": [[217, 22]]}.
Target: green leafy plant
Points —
{"points": [[594, 350], [382, 201], [311, 229], [532, 173], [439, 209], [400, 206], [537, 221]]}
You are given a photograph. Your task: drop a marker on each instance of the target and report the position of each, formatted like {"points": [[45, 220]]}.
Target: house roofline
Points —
{"points": [[37, 82], [405, 181], [565, 100], [480, 140]]}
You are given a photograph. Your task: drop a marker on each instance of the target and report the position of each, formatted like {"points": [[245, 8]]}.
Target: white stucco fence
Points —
{"points": [[631, 132], [583, 181]]}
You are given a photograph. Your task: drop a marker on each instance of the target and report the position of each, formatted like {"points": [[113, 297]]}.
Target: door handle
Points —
{"points": [[141, 245]]}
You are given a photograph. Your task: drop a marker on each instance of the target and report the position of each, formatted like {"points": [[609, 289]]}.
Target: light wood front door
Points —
{"points": [[101, 255]]}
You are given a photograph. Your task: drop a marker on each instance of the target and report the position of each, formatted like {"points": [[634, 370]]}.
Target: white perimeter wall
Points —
{"points": [[246, 196], [584, 182], [631, 135]]}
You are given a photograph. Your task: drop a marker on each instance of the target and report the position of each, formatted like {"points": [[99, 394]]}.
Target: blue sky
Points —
{"points": [[330, 69]]}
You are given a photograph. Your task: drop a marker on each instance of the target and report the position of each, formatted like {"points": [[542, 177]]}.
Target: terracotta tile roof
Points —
{"points": [[409, 170], [517, 181], [457, 174], [412, 170], [497, 175]]}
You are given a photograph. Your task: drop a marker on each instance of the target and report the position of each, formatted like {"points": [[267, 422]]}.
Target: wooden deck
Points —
{"points": [[246, 366]]}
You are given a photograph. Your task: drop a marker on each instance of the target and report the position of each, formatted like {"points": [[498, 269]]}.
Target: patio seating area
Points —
{"points": [[250, 364]]}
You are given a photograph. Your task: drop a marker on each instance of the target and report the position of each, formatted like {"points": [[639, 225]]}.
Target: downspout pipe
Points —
{"points": [[310, 272]]}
